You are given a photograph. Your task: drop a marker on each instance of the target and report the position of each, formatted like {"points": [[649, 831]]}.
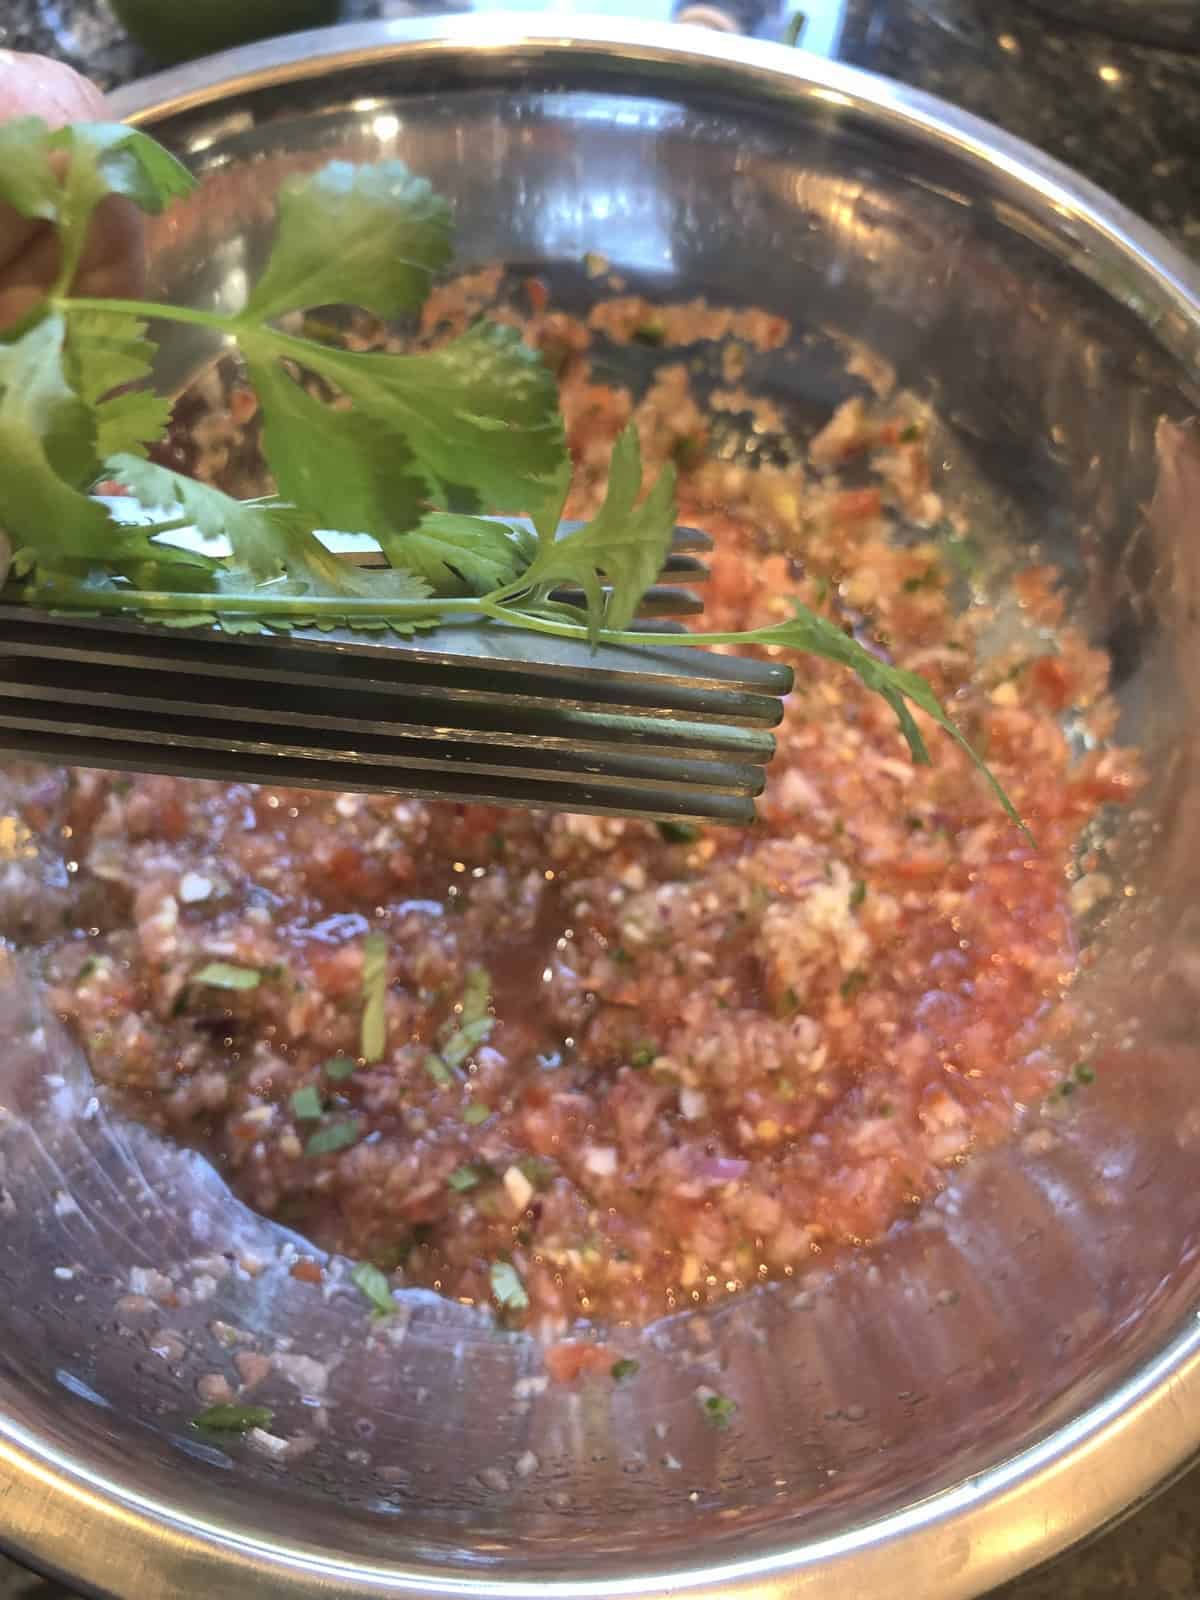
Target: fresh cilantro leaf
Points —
{"points": [[788, 1003], [335, 1136], [626, 1367], [480, 415], [964, 552], [130, 163], [269, 539], [345, 469], [464, 1178], [258, 531], [99, 159], [719, 1410], [536, 1171], [47, 446], [623, 546], [306, 1104], [898, 686], [464, 1041], [477, 994], [679, 832], [233, 1418], [474, 1022], [129, 422], [370, 236], [339, 1068], [476, 1113], [374, 995], [28, 181], [224, 975], [438, 1070], [507, 1286], [652, 332], [105, 352], [373, 1285], [460, 555]]}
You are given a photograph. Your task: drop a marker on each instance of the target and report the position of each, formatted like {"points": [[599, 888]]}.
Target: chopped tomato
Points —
{"points": [[570, 1360], [857, 505]]}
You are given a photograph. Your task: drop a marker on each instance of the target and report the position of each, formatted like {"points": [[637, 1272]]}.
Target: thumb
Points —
{"points": [[33, 86]]}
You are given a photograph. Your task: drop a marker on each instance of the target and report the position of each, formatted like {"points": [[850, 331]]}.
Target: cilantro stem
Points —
{"points": [[233, 324], [255, 604], [530, 623], [149, 308], [170, 525]]}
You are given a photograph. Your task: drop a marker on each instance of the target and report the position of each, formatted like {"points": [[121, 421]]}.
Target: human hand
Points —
{"points": [[112, 260]]}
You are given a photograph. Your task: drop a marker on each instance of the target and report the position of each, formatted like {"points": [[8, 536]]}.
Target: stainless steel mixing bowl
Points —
{"points": [[997, 1378]]}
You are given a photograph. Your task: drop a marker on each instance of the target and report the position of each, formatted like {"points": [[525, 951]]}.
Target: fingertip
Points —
{"points": [[36, 86]]}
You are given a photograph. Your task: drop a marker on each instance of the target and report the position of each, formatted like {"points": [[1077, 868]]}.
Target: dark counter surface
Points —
{"points": [[1127, 116]]}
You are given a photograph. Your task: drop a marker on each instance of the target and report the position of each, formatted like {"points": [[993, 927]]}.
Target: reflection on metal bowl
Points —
{"points": [[990, 1383]]}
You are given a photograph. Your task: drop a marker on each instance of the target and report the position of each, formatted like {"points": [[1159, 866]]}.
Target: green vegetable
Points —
{"points": [[965, 553], [234, 1418], [858, 894], [507, 1286], [374, 994], [306, 1104], [339, 1068], [624, 545], [1079, 1077], [643, 1055], [438, 1070], [335, 1136], [536, 1171], [476, 1113], [223, 975], [626, 1367], [852, 983], [367, 236], [679, 832], [651, 332], [418, 448], [374, 1286], [925, 580], [471, 1028], [477, 994], [464, 1178], [719, 1410]]}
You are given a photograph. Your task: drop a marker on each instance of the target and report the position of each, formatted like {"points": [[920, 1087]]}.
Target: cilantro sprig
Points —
{"points": [[429, 453]]}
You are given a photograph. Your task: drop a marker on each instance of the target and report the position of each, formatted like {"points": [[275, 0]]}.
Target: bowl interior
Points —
{"points": [[1049, 1273]]}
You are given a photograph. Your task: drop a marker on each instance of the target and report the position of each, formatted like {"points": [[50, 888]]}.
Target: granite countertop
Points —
{"points": [[1126, 115]]}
